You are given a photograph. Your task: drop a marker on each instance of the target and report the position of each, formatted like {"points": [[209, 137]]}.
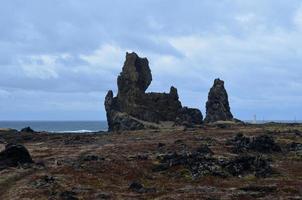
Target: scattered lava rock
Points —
{"points": [[68, 195], [160, 145], [262, 144], [102, 195], [27, 130], [258, 191], [139, 188], [294, 146], [240, 143], [201, 163], [44, 181], [14, 155], [204, 149], [92, 158], [244, 165]]}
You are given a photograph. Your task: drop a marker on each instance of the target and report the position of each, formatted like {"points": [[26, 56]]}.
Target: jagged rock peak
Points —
{"points": [[174, 93], [136, 75], [217, 106]]}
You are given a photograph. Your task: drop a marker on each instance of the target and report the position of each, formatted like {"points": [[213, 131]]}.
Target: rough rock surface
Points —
{"points": [[13, 155], [201, 163], [217, 106], [133, 109], [27, 130], [261, 143]]}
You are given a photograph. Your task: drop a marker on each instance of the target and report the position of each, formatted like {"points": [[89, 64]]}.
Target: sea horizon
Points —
{"points": [[85, 126], [58, 126]]}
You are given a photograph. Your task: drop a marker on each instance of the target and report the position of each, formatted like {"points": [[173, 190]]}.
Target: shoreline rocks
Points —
{"points": [[27, 130]]}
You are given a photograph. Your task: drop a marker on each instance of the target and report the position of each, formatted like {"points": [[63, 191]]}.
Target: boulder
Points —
{"points": [[27, 130], [139, 188], [13, 155], [217, 106], [134, 109]]}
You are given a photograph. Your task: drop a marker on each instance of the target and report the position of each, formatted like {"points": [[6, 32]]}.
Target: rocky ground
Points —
{"points": [[222, 161]]}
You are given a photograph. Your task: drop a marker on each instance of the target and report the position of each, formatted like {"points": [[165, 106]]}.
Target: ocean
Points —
{"points": [[58, 126], [81, 126]]}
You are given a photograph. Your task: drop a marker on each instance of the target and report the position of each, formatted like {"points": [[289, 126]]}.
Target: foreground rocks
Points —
{"points": [[217, 106], [133, 109], [262, 144], [201, 163], [13, 156], [196, 163]]}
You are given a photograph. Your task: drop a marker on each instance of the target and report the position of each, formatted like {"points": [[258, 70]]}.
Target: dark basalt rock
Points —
{"points": [[201, 163], [262, 144], [68, 195], [139, 188], [244, 165], [44, 182], [217, 106], [14, 155], [189, 117], [133, 109], [294, 146], [27, 130]]}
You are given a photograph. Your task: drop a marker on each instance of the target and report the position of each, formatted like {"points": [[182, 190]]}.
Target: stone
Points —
{"points": [[27, 130], [246, 164], [139, 188], [88, 158], [202, 163], [261, 144], [68, 195], [134, 109], [13, 156], [294, 146], [217, 106], [44, 182], [189, 117], [264, 144], [258, 191]]}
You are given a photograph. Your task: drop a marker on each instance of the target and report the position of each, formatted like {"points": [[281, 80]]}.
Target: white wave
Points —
{"points": [[77, 131]]}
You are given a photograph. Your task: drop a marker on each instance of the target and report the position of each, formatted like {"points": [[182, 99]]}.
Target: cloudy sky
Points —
{"points": [[58, 58]]}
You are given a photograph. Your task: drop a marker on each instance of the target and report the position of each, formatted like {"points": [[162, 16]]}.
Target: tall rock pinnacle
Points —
{"points": [[218, 108]]}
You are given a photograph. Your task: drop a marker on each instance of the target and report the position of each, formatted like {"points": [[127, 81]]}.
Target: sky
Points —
{"points": [[59, 58]]}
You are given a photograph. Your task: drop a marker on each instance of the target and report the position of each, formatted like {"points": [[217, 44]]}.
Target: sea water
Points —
{"points": [[58, 126]]}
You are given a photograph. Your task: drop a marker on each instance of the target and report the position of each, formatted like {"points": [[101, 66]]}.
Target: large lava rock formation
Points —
{"points": [[218, 108], [133, 109]]}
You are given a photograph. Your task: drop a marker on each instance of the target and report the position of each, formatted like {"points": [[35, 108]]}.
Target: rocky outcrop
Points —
{"points": [[27, 130], [134, 109], [218, 108], [14, 155]]}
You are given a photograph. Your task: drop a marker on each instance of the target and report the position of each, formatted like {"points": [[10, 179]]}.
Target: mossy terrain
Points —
{"points": [[103, 165]]}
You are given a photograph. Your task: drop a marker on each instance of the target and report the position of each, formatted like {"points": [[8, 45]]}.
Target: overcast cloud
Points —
{"points": [[59, 58]]}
